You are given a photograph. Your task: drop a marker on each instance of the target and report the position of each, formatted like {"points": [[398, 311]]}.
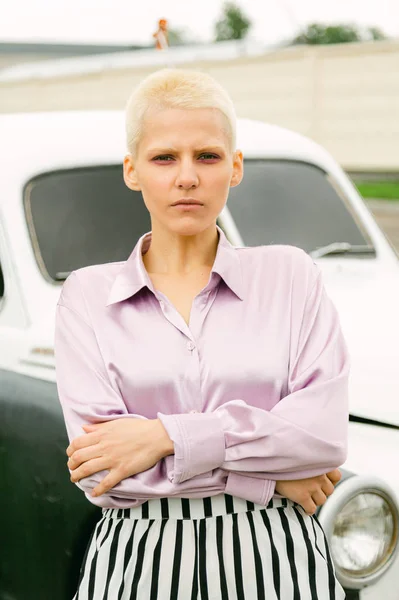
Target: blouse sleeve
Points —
{"points": [[303, 435], [87, 396]]}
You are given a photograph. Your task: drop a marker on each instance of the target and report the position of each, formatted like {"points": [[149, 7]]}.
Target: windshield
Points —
{"points": [[83, 217], [288, 202], [88, 216]]}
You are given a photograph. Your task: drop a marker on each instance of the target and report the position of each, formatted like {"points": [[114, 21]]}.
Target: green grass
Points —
{"points": [[385, 190]]}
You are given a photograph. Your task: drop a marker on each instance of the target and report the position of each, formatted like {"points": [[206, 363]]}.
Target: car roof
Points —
{"points": [[41, 141]]}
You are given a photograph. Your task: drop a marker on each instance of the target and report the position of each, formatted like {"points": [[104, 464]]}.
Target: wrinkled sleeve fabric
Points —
{"points": [[87, 396], [303, 435], [84, 390]]}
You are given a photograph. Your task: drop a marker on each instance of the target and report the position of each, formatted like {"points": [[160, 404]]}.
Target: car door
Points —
{"points": [[13, 317]]}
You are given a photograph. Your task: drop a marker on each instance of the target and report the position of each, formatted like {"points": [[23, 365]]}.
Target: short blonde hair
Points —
{"points": [[176, 88]]}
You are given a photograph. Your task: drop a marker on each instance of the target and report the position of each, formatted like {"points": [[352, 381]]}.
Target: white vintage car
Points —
{"points": [[64, 205]]}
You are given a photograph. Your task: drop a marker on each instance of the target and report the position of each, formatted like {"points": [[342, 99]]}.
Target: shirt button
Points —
{"points": [[190, 346], [193, 411]]}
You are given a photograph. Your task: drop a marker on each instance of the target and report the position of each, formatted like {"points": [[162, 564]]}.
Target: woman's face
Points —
{"points": [[184, 154]]}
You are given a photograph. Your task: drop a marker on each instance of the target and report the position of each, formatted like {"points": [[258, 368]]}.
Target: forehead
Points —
{"points": [[181, 126]]}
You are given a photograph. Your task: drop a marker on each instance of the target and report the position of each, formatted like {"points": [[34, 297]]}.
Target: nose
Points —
{"points": [[187, 176]]}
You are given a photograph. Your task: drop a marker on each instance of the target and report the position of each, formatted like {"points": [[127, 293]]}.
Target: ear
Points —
{"points": [[238, 169], [130, 174]]}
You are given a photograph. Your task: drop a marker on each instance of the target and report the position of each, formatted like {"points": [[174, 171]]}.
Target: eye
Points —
{"points": [[209, 156], [162, 157], [169, 158]]}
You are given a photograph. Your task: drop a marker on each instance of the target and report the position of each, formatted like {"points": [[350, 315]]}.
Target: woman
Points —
{"points": [[204, 387]]}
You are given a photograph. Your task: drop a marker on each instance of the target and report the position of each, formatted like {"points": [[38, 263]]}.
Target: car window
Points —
{"points": [[289, 202], [83, 217], [88, 216], [1, 283]]}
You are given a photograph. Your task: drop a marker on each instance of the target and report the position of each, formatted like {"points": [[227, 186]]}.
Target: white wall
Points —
{"points": [[345, 96]]}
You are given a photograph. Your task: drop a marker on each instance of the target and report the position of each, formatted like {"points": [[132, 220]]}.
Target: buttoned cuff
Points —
{"points": [[199, 443], [259, 491]]}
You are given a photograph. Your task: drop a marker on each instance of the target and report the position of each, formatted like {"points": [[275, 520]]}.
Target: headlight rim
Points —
{"points": [[345, 491]]}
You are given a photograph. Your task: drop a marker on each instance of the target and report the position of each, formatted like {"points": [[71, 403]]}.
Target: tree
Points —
{"points": [[328, 34], [376, 33], [316, 33], [177, 37], [233, 25]]}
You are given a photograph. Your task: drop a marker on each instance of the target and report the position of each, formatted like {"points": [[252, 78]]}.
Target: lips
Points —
{"points": [[187, 202]]}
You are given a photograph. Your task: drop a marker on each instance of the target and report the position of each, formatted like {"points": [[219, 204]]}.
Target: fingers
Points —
{"points": [[90, 427], [309, 506], [83, 455], [82, 441], [318, 497], [334, 476], [89, 468], [113, 478], [310, 492], [327, 487]]}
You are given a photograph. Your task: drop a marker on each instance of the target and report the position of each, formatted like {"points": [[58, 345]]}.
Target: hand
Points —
{"points": [[125, 447], [311, 492]]}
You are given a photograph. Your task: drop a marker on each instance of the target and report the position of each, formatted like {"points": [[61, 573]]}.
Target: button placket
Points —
{"points": [[198, 313], [195, 396], [174, 318]]}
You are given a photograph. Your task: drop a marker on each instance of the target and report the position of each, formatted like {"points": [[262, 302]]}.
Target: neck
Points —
{"points": [[173, 254]]}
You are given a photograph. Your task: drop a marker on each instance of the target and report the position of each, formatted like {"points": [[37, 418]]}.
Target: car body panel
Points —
{"points": [[365, 290]]}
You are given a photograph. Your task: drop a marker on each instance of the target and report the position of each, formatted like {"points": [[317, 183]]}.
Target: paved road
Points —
{"points": [[387, 216]]}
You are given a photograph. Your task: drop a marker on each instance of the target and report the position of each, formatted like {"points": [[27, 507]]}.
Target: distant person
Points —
{"points": [[204, 386], [161, 35]]}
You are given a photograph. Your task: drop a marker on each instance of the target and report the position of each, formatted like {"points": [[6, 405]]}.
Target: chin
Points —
{"points": [[190, 226]]}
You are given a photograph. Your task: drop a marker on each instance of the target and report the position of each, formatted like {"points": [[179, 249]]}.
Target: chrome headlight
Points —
{"points": [[361, 522]]}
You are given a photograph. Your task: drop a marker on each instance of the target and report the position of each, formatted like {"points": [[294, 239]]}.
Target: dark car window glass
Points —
{"points": [[88, 216], [83, 217], [287, 202], [1, 283]]}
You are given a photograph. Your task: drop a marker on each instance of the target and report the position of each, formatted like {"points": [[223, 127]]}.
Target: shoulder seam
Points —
{"points": [[75, 312]]}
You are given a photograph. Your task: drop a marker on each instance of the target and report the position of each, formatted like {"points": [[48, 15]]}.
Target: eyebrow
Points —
{"points": [[208, 147]]}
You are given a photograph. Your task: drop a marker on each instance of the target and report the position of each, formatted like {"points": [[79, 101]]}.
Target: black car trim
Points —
{"points": [[365, 421]]}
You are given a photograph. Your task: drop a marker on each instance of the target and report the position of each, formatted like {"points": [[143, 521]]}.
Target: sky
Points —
{"points": [[133, 22]]}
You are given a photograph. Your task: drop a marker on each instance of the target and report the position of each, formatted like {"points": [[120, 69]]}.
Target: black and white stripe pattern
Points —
{"points": [[221, 547]]}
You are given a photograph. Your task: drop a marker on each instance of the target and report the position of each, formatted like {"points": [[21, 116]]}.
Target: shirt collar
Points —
{"points": [[133, 275]]}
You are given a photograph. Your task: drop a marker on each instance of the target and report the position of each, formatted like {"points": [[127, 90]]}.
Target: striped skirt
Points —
{"points": [[216, 548]]}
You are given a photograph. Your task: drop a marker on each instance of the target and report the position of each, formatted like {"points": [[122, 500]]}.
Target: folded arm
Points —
{"points": [[303, 435], [88, 397]]}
